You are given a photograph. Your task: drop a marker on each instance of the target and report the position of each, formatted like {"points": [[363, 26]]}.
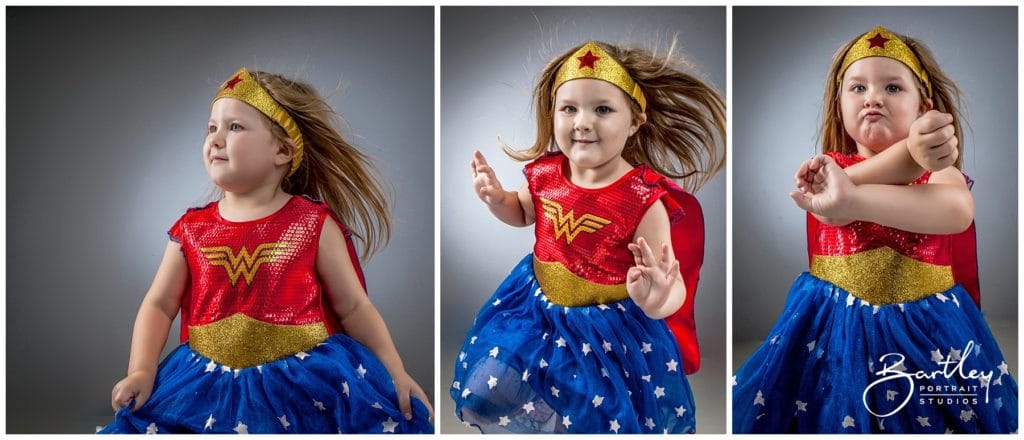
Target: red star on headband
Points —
{"points": [[588, 60], [233, 82], [877, 41]]}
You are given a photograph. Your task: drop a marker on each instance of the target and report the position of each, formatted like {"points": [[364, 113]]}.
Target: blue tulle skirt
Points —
{"points": [[338, 386], [836, 364], [529, 366]]}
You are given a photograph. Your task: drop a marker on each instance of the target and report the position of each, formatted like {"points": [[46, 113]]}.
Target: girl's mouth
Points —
{"points": [[873, 116]]}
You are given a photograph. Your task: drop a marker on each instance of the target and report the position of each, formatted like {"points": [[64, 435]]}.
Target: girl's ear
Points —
{"points": [[926, 104], [285, 152], [639, 120]]}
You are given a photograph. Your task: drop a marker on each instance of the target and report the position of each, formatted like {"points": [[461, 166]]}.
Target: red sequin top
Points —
{"points": [[955, 253], [587, 230], [264, 269], [581, 255]]}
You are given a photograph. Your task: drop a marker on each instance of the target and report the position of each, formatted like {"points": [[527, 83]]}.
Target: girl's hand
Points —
{"points": [[406, 387], [808, 178], [932, 141], [650, 281], [830, 192], [137, 385], [485, 182]]}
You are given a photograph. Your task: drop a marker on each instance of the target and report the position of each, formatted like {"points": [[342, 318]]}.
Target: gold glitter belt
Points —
{"points": [[239, 341], [883, 276], [564, 288]]}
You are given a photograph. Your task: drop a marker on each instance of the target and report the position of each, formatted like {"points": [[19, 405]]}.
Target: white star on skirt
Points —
{"points": [[614, 425], [389, 425]]}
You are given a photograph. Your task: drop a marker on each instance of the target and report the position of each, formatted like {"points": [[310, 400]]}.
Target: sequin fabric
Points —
{"points": [[272, 284], [920, 264], [601, 256]]}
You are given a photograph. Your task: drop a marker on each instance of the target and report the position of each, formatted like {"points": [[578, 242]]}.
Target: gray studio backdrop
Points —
{"points": [[490, 61], [108, 109], [781, 56]]}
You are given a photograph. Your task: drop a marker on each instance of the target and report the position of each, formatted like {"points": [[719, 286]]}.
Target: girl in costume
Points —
{"points": [[884, 333], [594, 331], [277, 333]]}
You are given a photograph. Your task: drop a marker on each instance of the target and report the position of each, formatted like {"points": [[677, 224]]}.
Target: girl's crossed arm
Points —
{"points": [[943, 206]]}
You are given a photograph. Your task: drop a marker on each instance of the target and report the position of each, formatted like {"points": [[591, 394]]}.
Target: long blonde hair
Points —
{"points": [[332, 169], [684, 136], [945, 98]]}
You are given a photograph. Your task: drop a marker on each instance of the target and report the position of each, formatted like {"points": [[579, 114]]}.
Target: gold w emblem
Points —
{"points": [[244, 263], [567, 224]]}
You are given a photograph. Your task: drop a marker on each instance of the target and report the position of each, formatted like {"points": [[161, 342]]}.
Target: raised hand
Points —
{"points": [[649, 282], [829, 192], [808, 178], [932, 141], [485, 182]]}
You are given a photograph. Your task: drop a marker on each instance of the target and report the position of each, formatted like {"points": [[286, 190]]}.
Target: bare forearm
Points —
{"points": [[364, 324], [927, 209], [894, 166], [509, 210], [833, 221], [148, 338]]}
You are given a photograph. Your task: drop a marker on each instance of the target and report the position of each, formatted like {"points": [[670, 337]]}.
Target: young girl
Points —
{"points": [[582, 335], [884, 334], [277, 333]]}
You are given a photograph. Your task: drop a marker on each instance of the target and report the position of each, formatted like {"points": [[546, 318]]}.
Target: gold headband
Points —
{"points": [[592, 62], [880, 42], [244, 88]]}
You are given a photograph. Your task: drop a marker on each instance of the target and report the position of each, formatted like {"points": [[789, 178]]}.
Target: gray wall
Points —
{"points": [[490, 60], [781, 56], [107, 113]]}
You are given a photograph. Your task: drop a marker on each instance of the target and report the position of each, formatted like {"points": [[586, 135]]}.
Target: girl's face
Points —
{"points": [[592, 121], [879, 99], [240, 152]]}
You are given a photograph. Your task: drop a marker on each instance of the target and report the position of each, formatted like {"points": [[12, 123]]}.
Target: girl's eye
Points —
{"points": [[857, 88], [235, 126], [892, 88], [569, 109], [603, 110], [211, 129]]}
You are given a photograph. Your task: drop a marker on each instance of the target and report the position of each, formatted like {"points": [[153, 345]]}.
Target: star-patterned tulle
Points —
{"points": [[827, 349], [529, 366], [338, 386]]}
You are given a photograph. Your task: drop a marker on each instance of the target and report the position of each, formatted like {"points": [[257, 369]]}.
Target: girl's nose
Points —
{"points": [[872, 98], [216, 140], [582, 122]]}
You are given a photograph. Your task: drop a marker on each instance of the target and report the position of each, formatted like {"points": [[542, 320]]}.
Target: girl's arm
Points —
{"points": [[930, 146], [654, 282], [512, 207], [359, 317], [943, 206], [152, 324]]}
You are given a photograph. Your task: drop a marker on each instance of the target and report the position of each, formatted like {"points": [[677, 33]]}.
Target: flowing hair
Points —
{"points": [[945, 98], [684, 136], [332, 169]]}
